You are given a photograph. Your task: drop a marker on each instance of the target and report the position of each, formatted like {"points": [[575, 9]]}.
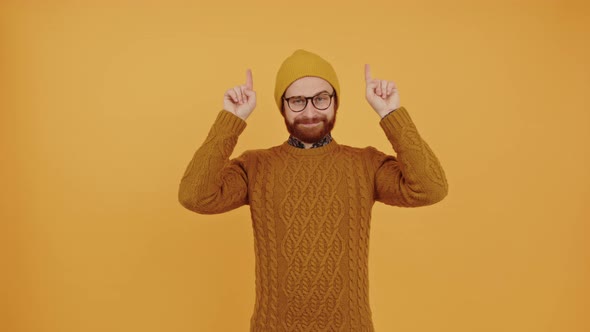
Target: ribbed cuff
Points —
{"points": [[395, 121], [228, 122]]}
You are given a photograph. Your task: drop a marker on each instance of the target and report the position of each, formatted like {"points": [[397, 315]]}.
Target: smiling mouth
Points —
{"points": [[312, 124]]}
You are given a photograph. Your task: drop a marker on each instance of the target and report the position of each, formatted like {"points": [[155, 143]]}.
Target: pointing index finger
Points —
{"points": [[249, 81], [367, 72]]}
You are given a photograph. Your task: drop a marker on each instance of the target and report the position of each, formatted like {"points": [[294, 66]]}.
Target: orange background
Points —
{"points": [[102, 106]]}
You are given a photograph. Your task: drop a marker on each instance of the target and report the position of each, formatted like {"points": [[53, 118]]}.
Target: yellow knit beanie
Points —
{"points": [[300, 64]]}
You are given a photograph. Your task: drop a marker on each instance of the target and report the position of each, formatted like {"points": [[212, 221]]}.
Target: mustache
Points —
{"points": [[310, 120]]}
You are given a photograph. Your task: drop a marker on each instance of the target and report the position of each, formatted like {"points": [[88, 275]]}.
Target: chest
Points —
{"points": [[310, 185]]}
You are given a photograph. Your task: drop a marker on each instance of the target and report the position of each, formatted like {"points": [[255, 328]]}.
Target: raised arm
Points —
{"points": [[212, 183], [415, 177]]}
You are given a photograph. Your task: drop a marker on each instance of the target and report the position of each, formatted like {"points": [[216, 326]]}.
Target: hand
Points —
{"points": [[381, 95], [241, 100]]}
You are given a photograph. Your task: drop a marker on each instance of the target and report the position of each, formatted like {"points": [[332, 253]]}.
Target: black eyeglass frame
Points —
{"points": [[307, 99]]}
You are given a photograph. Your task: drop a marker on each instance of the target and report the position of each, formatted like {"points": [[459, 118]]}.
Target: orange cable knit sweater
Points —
{"points": [[311, 212]]}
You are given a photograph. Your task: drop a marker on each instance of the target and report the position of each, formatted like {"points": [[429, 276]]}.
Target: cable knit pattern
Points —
{"points": [[311, 214]]}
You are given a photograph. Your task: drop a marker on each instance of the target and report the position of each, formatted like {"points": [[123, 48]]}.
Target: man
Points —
{"points": [[310, 198]]}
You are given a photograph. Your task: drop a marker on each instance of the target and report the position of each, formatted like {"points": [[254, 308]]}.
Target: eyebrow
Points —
{"points": [[311, 96]]}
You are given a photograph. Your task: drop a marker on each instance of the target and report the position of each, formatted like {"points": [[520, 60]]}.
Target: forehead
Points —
{"points": [[307, 86]]}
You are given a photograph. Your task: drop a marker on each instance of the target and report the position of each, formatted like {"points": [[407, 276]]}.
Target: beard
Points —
{"points": [[313, 134]]}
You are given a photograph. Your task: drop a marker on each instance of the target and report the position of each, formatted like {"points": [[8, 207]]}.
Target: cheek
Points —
{"points": [[332, 114], [290, 118], [288, 115]]}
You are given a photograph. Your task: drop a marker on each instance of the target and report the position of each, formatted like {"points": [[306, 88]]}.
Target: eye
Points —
{"points": [[322, 97], [297, 100]]}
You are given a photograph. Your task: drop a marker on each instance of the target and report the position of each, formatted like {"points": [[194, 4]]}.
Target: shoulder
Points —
{"points": [[367, 151], [369, 156], [255, 154]]}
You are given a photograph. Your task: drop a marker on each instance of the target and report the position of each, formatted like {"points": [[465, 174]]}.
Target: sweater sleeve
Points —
{"points": [[415, 177], [212, 183]]}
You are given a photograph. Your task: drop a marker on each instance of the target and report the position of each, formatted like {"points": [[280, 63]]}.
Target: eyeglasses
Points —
{"points": [[321, 101]]}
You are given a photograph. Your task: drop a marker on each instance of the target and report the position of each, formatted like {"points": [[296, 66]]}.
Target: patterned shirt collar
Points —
{"points": [[294, 141]]}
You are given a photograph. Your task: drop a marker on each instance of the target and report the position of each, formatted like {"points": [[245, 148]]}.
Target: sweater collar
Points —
{"points": [[294, 141], [322, 150]]}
